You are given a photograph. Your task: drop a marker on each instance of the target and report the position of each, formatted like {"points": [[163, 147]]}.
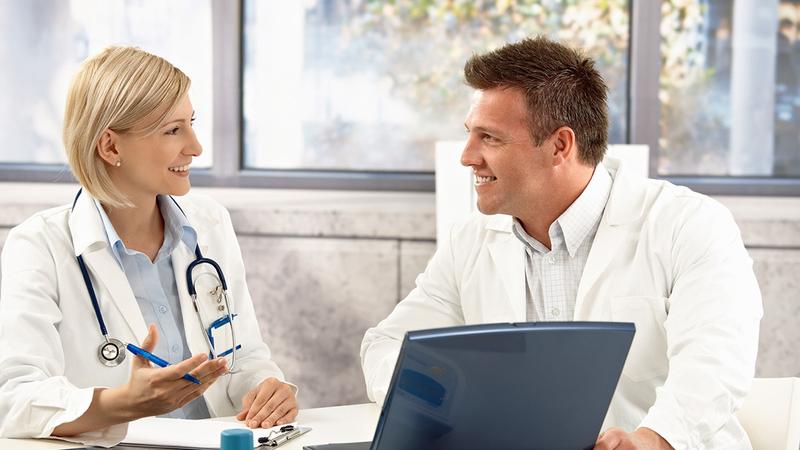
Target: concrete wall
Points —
{"points": [[325, 266]]}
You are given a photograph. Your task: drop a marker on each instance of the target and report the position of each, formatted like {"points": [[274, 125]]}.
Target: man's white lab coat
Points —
{"points": [[668, 259]]}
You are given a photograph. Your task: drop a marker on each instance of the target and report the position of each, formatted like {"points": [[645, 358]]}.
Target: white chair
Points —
{"points": [[455, 194], [635, 157], [771, 414]]}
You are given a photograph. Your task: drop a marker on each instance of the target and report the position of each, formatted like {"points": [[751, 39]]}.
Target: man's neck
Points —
{"points": [[537, 221]]}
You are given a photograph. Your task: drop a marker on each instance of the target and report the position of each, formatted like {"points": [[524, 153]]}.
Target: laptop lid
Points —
{"points": [[539, 385]]}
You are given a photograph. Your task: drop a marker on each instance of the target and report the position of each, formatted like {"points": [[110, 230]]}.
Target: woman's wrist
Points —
{"points": [[118, 405], [108, 407]]}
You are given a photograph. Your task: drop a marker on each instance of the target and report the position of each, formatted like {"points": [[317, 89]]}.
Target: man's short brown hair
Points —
{"points": [[561, 87]]}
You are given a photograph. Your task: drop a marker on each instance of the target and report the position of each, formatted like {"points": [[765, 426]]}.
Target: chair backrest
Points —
{"points": [[455, 194], [635, 157], [771, 414]]}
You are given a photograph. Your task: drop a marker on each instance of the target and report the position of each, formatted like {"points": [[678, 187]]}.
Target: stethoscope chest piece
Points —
{"points": [[111, 352]]}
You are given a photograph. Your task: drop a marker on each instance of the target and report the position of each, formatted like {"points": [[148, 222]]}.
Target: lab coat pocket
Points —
{"points": [[647, 357]]}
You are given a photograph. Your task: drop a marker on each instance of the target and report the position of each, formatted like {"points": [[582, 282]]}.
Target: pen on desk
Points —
{"points": [[157, 361], [286, 436]]}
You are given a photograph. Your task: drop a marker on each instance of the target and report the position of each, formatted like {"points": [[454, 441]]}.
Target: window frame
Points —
{"points": [[228, 169], [644, 112]]}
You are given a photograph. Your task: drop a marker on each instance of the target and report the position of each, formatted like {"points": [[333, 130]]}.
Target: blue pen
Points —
{"points": [[156, 360]]}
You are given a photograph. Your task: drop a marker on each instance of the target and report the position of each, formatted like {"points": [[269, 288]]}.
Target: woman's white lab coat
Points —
{"points": [[49, 336], [668, 259]]}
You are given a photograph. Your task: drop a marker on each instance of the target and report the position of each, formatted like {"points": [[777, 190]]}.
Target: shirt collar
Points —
{"points": [[533, 243], [114, 241], [583, 215], [577, 222], [177, 222], [176, 228]]}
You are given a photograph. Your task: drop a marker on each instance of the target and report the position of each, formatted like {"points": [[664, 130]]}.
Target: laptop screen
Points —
{"points": [[525, 385]]}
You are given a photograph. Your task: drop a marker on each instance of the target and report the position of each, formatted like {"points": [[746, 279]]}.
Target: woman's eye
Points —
{"points": [[173, 131]]}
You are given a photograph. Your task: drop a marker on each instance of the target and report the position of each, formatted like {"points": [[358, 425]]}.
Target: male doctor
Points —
{"points": [[563, 236]]}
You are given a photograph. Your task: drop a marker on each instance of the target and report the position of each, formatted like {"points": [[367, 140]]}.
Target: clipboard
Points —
{"points": [[166, 433], [277, 438]]}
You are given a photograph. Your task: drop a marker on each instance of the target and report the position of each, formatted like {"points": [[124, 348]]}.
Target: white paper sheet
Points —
{"points": [[177, 433]]}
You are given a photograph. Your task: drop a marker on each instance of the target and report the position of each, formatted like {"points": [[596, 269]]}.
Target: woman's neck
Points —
{"points": [[141, 228]]}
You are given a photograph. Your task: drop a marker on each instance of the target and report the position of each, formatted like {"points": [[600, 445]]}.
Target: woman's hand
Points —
{"points": [[271, 403], [149, 392], [152, 391]]}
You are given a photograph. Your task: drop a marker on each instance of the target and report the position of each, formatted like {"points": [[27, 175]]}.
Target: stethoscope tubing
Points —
{"points": [[93, 296], [88, 282], [189, 284], [201, 260]]}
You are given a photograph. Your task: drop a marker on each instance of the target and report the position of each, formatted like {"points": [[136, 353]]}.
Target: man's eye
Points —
{"points": [[489, 139]]}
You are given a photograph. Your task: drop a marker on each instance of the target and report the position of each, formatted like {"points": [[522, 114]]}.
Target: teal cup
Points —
{"points": [[236, 439]]}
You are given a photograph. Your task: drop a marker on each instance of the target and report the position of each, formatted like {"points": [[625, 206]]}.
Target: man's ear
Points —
{"points": [[564, 145], [107, 149]]}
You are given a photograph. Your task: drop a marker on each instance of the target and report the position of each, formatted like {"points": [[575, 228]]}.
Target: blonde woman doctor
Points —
{"points": [[64, 368]]}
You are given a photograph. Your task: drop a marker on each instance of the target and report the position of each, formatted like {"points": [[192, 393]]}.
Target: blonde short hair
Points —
{"points": [[116, 89]]}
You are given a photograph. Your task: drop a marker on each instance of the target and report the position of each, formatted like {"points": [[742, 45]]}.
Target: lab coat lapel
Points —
{"points": [[105, 268], [604, 249], [89, 239], [508, 255], [625, 205]]}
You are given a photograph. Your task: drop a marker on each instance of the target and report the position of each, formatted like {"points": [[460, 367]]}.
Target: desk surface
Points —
{"points": [[351, 423]]}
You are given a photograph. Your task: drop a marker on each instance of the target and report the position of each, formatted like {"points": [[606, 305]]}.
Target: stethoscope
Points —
{"points": [[111, 352]]}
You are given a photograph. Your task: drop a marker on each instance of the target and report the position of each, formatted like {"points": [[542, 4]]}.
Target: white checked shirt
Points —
{"points": [[552, 276]]}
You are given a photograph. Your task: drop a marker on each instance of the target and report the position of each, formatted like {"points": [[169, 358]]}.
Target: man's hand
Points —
{"points": [[641, 439], [271, 403]]}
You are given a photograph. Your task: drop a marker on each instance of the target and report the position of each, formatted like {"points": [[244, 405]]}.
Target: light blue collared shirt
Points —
{"points": [[552, 275], [153, 284]]}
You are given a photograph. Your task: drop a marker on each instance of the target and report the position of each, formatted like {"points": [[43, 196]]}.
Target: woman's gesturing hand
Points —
{"points": [[152, 391]]}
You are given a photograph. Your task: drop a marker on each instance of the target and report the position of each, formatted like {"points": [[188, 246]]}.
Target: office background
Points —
{"points": [[319, 119]]}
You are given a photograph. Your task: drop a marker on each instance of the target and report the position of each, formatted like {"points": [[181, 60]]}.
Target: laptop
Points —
{"points": [[533, 385]]}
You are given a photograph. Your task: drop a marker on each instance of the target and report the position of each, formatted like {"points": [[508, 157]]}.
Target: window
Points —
{"points": [[354, 94], [730, 89], [372, 85], [52, 37]]}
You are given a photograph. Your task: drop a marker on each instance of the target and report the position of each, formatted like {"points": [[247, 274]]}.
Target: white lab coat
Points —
{"points": [[668, 259], [49, 336]]}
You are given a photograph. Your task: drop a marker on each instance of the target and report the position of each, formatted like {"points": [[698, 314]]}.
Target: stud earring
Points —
{"points": [[119, 163]]}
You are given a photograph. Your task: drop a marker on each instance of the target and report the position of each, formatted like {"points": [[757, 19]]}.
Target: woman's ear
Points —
{"points": [[107, 149]]}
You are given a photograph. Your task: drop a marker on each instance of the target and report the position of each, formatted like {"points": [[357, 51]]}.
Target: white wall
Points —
{"points": [[324, 266]]}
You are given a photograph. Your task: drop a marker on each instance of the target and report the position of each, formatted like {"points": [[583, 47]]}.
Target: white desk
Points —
{"points": [[351, 423]]}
